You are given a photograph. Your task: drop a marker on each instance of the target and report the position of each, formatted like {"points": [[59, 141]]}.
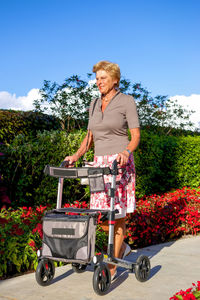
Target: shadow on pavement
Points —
{"points": [[62, 276], [123, 274]]}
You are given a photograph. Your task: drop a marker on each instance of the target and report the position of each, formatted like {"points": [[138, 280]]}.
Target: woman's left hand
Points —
{"points": [[122, 158]]}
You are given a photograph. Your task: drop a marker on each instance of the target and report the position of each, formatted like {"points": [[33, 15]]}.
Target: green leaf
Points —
{"points": [[197, 294], [179, 297]]}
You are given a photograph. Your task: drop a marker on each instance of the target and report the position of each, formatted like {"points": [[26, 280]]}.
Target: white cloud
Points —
{"points": [[10, 101], [191, 102], [25, 103]]}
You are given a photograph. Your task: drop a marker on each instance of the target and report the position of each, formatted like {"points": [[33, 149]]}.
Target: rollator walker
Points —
{"points": [[69, 233]]}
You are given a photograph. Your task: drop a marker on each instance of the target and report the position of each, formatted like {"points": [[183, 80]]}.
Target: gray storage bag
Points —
{"points": [[69, 238]]}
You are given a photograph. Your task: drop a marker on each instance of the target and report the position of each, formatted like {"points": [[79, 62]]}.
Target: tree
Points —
{"points": [[70, 102], [159, 113]]}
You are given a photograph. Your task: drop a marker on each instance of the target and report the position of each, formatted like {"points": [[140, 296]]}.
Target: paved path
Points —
{"points": [[174, 266]]}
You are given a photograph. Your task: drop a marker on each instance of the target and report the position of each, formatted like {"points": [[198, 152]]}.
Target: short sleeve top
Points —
{"points": [[109, 128]]}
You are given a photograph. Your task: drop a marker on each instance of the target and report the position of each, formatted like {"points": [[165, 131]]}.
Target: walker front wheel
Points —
{"points": [[45, 272], [101, 279], [142, 268]]}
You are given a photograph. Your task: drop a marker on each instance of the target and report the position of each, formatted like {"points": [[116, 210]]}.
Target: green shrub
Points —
{"points": [[155, 162], [166, 162], [187, 161], [13, 123], [24, 162], [162, 163]]}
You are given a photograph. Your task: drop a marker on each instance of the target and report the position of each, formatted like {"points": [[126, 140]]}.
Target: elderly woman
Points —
{"points": [[110, 117]]}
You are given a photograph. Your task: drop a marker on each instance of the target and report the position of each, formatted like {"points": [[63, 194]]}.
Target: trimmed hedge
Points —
{"points": [[155, 164], [166, 162], [187, 163], [13, 123], [23, 163], [162, 163]]}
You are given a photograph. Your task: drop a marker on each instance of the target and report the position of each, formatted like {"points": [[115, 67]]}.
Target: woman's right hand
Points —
{"points": [[71, 159]]}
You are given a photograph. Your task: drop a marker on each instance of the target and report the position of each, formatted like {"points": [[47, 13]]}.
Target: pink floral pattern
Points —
{"points": [[125, 191]]}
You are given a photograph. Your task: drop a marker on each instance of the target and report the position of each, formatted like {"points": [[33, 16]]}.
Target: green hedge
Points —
{"points": [[155, 164], [187, 164], [13, 123], [166, 162], [23, 163], [162, 163]]}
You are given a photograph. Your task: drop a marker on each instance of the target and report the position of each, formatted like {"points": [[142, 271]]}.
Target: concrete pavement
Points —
{"points": [[174, 266]]}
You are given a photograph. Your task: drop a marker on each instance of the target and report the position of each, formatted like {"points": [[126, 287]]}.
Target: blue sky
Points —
{"points": [[154, 42]]}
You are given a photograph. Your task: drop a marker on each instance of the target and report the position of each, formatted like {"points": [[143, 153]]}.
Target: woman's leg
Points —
{"points": [[119, 245], [120, 231]]}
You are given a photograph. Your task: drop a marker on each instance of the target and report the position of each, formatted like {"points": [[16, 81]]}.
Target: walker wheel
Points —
{"points": [[142, 268], [78, 268], [45, 272], [101, 279]]}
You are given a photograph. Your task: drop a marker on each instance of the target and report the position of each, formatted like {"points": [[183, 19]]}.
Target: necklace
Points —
{"points": [[106, 100]]}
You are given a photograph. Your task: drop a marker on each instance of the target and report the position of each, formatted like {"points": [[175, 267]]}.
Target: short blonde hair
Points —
{"points": [[112, 69]]}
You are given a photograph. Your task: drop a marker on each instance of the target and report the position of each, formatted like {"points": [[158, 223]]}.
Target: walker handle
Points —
{"points": [[114, 167], [64, 163]]}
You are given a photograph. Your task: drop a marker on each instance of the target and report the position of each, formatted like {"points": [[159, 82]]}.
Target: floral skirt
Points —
{"points": [[125, 187]]}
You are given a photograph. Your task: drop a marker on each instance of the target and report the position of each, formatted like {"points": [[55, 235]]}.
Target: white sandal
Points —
{"points": [[113, 277], [127, 251]]}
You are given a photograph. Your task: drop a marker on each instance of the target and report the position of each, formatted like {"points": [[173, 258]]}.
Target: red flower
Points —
{"points": [[41, 209], [32, 244], [189, 297], [38, 229], [15, 230], [188, 294], [26, 222], [3, 221]]}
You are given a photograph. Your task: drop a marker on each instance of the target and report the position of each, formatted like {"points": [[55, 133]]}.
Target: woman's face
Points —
{"points": [[105, 82]]}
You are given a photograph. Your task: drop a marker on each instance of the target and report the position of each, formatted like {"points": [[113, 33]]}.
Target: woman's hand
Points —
{"points": [[122, 158], [71, 159]]}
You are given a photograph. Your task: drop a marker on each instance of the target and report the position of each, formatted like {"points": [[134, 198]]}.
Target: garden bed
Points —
{"points": [[157, 219]]}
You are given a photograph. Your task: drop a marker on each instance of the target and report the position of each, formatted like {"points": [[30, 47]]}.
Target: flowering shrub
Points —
{"points": [[77, 204], [190, 294], [159, 218], [20, 237]]}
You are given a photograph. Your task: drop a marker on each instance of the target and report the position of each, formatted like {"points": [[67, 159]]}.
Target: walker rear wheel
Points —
{"points": [[78, 268], [142, 268], [101, 279]]}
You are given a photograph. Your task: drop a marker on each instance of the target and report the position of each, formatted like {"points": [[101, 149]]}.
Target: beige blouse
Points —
{"points": [[109, 128]]}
